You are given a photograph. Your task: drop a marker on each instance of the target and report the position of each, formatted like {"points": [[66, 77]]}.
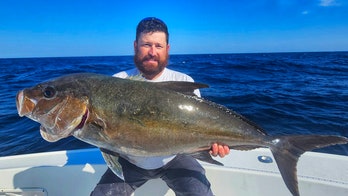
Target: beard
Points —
{"points": [[150, 71]]}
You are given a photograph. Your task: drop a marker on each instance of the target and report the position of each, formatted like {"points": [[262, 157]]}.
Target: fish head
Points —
{"points": [[58, 105]]}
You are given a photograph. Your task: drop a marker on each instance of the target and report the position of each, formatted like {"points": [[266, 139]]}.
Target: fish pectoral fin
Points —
{"points": [[206, 157], [186, 88], [111, 159]]}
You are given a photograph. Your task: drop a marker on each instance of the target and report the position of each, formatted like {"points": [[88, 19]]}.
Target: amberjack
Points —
{"points": [[138, 118]]}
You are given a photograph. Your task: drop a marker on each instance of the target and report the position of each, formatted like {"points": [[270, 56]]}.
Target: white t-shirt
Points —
{"points": [[167, 75]]}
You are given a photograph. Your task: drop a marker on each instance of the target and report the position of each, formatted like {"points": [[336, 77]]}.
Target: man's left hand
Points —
{"points": [[221, 150]]}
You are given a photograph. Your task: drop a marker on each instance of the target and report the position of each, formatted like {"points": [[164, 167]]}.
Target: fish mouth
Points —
{"points": [[24, 105]]}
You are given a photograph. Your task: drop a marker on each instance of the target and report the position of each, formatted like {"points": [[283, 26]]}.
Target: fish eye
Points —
{"points": [[49, 92]]}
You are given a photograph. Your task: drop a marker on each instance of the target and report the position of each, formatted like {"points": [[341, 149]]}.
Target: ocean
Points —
{"points": [[284, 93]]}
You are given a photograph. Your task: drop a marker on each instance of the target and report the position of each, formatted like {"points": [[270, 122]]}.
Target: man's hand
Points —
{"points": [[221, 150]]}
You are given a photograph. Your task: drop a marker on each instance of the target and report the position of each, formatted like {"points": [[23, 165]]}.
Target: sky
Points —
{"points": [[60, 28]]}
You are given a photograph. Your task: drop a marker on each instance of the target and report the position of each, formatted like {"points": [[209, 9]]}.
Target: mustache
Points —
{"points": [[148, 57]]}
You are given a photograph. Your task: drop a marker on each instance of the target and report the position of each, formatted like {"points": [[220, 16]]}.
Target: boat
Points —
{"points": [[245, 173]]}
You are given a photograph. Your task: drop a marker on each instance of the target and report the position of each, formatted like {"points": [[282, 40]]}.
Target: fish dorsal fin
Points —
{"points": [[186, 88], [137, 77]]}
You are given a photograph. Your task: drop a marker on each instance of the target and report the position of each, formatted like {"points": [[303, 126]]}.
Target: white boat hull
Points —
{"points": [[77, 172]]}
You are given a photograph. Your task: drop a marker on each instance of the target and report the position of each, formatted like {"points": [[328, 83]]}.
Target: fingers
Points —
{"points": [[221, 150], [226, 150], [214, 150]]}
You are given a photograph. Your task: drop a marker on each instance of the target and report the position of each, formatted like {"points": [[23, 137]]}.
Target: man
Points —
{"points": [[182, 173]]}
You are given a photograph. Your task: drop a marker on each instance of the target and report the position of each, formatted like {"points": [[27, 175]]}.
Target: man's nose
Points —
{"points": [[152, 51]]}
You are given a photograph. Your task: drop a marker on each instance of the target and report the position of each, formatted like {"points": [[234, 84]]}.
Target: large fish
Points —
{"points": [[140, 118]]}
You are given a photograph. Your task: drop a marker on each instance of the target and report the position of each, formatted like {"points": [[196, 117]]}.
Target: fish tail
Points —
{"points": [[287, 150]]}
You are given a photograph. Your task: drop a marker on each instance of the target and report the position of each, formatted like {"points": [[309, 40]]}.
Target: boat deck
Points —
{"points": [[245, 173]]}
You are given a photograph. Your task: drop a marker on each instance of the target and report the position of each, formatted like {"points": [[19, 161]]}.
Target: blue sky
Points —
{"points": [[41, 28]]}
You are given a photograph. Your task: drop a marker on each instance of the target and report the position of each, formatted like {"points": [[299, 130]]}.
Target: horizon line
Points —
{"points": [[175, 54]]}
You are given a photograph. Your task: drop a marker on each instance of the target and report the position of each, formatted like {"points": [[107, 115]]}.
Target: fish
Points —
{"points": [[139, 118]]}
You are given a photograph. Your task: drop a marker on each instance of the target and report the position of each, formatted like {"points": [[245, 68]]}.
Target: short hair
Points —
{"points": [[150, 25]]}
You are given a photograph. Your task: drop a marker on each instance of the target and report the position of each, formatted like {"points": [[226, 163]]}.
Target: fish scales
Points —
{"points": [[146, 115]]}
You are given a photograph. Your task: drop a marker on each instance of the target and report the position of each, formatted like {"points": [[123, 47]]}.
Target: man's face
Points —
{"points": [[151, 54]]}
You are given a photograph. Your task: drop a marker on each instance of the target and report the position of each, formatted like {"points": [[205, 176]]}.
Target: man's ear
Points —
{"points": [[135, 44]]}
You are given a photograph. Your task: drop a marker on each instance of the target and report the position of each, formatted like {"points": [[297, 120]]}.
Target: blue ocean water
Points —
{"points": [[285, 93]]}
